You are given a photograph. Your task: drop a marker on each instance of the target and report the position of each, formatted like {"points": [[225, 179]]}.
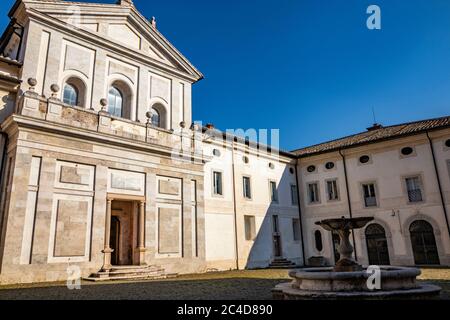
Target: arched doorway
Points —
{"points": [[423, 243], [377, 247]]}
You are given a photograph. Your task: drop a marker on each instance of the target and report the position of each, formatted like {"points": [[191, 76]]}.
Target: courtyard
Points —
{"points": [[230, 285]]}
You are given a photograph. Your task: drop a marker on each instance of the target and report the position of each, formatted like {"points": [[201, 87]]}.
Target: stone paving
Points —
{"points": [[233, 285]]}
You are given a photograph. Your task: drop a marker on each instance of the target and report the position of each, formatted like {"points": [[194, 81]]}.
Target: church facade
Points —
{"points": [[103, 168]]}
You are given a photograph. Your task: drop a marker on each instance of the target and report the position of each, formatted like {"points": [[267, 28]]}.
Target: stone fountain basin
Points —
{"points": [[324, 279], [324, 283]]}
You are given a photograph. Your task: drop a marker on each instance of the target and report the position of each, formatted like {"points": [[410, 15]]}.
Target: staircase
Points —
{"points": [[282, 263], [130, 273]]}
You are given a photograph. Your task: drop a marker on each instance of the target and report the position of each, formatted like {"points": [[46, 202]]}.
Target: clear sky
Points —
{"points": [[310, 68]]}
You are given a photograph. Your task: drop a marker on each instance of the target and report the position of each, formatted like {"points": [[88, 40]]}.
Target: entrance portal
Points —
{"points": [[124, 235]]}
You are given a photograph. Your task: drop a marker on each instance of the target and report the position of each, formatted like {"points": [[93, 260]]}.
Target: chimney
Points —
{"points": [[375, 126]]}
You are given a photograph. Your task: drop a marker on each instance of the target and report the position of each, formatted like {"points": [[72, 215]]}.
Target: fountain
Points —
{"points": [[348, 279]]}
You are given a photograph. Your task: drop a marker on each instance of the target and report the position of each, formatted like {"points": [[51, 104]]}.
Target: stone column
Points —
{"points": [[107, 250], [141, 243]]}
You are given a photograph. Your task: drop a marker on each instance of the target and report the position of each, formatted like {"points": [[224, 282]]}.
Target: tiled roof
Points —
{"points": [[376, 134]]}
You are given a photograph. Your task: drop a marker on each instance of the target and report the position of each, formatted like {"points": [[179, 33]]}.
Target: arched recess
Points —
{"points": [[389, 241], [423, 242], [125, 87], [77, 81], [377, 245], [436, 231], [159, 106], [127, 91]]}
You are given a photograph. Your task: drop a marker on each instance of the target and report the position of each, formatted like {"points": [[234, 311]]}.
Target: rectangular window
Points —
{"points": [[370, 197], [250, 228], [247, 188], [296, 229], [217, 180], [273, 192], [313, 192], [332, 189], [414, 188], [275, 223], [294, 195]]}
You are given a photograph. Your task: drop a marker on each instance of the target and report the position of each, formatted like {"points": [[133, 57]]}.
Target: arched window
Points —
{"points": [[115, 102], [70, 95], [318, 240], [377, 246], [159, 115], [424, 243], [156, 118]]}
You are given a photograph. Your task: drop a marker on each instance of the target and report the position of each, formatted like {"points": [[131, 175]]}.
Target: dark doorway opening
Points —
{"points": [[377, 246], [115, 240], [424, 243]]}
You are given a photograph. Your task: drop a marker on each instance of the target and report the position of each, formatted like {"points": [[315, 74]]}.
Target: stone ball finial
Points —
{"points": [[32, 82], [55, 89], [183, 124]]}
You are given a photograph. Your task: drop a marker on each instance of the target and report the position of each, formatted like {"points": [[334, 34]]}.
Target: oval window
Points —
{"points": [[329, 165], [291, 170], [271, 166], [447, 143], [216, 152], [311, 169], [407, 151], [245, 159], [364, 159], [318, 240]]}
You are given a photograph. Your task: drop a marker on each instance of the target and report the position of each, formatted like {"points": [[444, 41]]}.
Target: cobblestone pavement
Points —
{"points": [[233, 285]]}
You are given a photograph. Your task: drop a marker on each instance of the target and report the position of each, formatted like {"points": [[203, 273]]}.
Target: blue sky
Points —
{"points": [[310, 68]]}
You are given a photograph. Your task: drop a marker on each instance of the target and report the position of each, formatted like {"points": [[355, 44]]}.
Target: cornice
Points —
{"points": [[15, 122]]}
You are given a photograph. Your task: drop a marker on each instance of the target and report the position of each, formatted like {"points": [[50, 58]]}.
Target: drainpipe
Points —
{"points": [[300, 211], [349, 201], [234, 205], [438, 181]]}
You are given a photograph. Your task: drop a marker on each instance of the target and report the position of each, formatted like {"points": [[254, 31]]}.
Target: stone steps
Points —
{"points": [[282, 264], [130, 273]]}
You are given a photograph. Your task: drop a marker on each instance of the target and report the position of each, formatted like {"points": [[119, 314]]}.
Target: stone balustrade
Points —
{"points": [[55, 111]]}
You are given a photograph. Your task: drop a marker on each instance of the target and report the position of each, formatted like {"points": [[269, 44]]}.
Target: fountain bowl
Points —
{"points": [[324, 283]]}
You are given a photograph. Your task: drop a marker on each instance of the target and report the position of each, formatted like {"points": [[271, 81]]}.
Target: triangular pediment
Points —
{"points": [[119, 24]]}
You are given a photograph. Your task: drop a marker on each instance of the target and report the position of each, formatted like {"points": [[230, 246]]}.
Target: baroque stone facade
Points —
{"points": [[102, 165]]}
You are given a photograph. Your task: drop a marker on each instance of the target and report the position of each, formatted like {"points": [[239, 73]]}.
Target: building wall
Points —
{"points": [[222, 219], [64, 56], [388, 169], [55, 210]]}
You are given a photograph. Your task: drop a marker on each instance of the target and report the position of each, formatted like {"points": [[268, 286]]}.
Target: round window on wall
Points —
{"points": [[311, 169], [216, 152], [271, 166], [245, 159], [407, 151], [447, 143], [364, 159], [291, 170], [329, 165]]}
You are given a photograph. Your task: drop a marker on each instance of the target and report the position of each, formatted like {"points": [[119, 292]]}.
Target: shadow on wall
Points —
{"points": [[274, 238]]}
